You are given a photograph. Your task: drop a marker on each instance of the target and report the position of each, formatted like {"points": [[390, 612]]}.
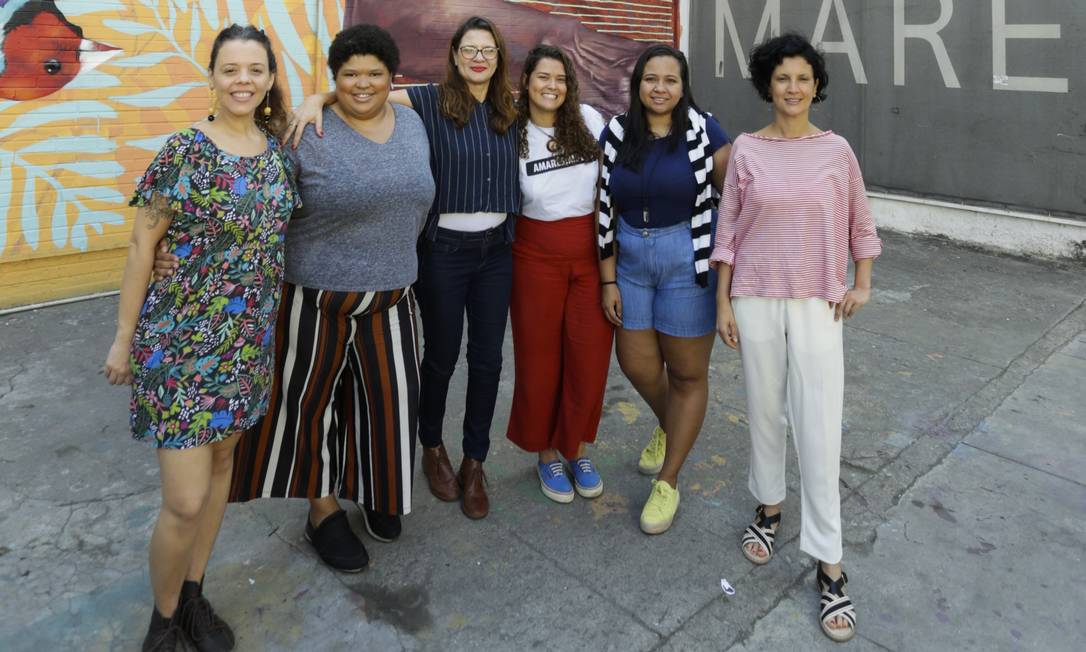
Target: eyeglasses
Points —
{"points": [[470, 51]]}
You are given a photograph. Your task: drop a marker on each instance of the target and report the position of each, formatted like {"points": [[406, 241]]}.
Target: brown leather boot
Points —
{"points": [[439, 474], [475, 504]]}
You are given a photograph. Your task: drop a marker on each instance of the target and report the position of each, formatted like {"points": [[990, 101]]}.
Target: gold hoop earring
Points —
{"points": [[214, 105]]}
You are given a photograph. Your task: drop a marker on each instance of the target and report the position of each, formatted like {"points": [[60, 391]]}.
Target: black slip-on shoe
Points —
{"points": [[336, 543], [383, 527]]}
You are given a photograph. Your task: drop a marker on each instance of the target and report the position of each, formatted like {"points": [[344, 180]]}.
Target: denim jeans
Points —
{"points": [[656, 279], [463, 272]]}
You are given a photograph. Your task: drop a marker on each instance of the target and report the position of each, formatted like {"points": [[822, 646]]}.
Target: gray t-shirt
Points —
{"points": [[364, 205]]}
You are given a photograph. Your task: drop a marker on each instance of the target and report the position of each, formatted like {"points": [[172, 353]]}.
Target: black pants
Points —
{"points": [[463, 272]]}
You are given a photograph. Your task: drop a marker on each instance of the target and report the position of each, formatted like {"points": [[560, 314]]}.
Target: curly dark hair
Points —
{"points": [[571, 134], [363, 39], [276, 123], [456, 101], [765, 58]]}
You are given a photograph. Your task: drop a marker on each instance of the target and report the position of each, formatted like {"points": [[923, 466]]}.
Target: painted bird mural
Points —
{"points": [[41, 51]]}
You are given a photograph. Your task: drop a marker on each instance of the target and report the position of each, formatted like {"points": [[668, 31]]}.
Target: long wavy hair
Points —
{"points": [[454, 98], [276, 123], [573, 137], [637, 136]]}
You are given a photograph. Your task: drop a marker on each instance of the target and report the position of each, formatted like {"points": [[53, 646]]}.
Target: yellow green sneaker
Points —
{"points": [[660, 508], [652, 456]]}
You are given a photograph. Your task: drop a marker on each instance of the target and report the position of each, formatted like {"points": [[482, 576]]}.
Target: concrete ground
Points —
{"points": [[963, 487]]}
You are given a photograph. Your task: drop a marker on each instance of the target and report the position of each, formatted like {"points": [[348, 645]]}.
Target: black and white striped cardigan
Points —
{"points": [[701, 219]]}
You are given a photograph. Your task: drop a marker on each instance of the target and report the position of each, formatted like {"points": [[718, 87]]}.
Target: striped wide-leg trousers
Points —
{"points": [[343, 412]]}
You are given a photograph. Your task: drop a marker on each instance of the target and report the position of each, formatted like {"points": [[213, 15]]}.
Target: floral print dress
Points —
{"points": [[202, 352]]}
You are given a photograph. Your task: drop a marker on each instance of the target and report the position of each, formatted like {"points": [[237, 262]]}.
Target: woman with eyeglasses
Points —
{"points": [[466, 260]]}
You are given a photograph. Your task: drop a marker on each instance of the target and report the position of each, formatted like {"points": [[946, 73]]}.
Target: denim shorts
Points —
{"points": [[658, 285]]}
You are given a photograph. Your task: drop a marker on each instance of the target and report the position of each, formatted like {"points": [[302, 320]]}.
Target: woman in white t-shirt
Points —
{"points": [[561, 339]]}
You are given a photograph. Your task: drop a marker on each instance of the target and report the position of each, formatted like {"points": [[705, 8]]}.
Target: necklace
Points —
{"points": [[645, 184], [552, 144]]}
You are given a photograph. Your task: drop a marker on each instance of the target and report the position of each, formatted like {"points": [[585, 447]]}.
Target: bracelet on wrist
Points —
{"points": [[608, 282]]}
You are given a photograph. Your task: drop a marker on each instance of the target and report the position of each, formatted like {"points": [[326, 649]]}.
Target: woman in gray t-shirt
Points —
{"points": [[342, 417]]}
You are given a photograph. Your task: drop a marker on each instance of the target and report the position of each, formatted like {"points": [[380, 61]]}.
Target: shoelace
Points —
{"points": [[585, 466], [200, 609], [661, 489], [556, 469], [167, 638], [657, 444]]}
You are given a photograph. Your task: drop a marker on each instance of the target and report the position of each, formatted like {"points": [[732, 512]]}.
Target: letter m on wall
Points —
{"points": [[768, 26]]}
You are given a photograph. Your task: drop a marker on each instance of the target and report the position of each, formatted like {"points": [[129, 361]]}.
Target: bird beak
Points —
{"points": [[93, 54]]}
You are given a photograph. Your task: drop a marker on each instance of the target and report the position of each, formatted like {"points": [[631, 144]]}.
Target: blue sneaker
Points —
{"points": [[554, 482], [585, 477]]}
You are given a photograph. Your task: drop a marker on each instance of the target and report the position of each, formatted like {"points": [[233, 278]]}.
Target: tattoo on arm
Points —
{"points": [[157, 211]]}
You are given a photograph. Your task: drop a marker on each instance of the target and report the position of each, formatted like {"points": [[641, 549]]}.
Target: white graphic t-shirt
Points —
{"points": [[556, 186]]}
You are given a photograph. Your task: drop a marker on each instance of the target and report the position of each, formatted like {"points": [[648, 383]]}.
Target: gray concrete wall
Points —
{"points": [[969, 108]]}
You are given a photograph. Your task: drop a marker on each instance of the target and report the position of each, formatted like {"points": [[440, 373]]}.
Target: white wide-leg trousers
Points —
{"points": [[793, 364]]}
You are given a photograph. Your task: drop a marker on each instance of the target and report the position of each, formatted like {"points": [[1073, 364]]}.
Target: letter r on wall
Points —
{"points": [[929, 33]]}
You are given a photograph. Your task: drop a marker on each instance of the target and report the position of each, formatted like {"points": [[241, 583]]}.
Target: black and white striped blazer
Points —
{"points": [[701, 218]]}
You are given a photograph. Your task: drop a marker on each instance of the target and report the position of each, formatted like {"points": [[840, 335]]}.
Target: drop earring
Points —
{"points": [[214, 105], [267, 106]]}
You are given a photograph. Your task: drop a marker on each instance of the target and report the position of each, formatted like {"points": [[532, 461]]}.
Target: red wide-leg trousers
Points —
{"points": [[561, 340]]}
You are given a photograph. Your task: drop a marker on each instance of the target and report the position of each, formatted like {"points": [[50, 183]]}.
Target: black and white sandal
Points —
{"points": [[835, 604], [763, 531]]}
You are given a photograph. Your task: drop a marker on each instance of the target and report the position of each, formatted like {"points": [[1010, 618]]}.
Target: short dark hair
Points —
{"points": [[363, 39], [765, 58]]}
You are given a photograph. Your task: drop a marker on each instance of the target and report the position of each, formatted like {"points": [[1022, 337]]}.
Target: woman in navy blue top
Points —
{"points": [[466, 258], [662, 160]]}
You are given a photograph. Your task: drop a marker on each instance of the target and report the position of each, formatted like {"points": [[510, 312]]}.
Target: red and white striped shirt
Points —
{"points": [[792, 212]]}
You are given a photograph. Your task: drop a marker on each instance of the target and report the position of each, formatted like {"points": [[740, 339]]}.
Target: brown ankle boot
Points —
{"points": [[475, 504], [439, 474]]}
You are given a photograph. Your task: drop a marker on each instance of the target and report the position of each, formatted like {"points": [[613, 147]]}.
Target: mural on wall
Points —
{"points": [[90, 90], [603, 55], [80, 120]]}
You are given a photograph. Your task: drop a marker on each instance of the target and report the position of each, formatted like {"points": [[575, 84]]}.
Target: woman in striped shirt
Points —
{"points": [[794, 210], [466, 262]]}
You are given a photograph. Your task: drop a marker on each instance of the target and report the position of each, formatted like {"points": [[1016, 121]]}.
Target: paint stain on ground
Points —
{"points": [[405, 609], [942, 617], [943, 512], [609, 504], [629, 411], [935, 356], [710, 491], [714, 462], [65, 451], [1016, 634], [983, 549]]}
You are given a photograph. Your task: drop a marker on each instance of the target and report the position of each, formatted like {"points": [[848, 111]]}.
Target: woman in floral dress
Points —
{"points": [[197, 346]]}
